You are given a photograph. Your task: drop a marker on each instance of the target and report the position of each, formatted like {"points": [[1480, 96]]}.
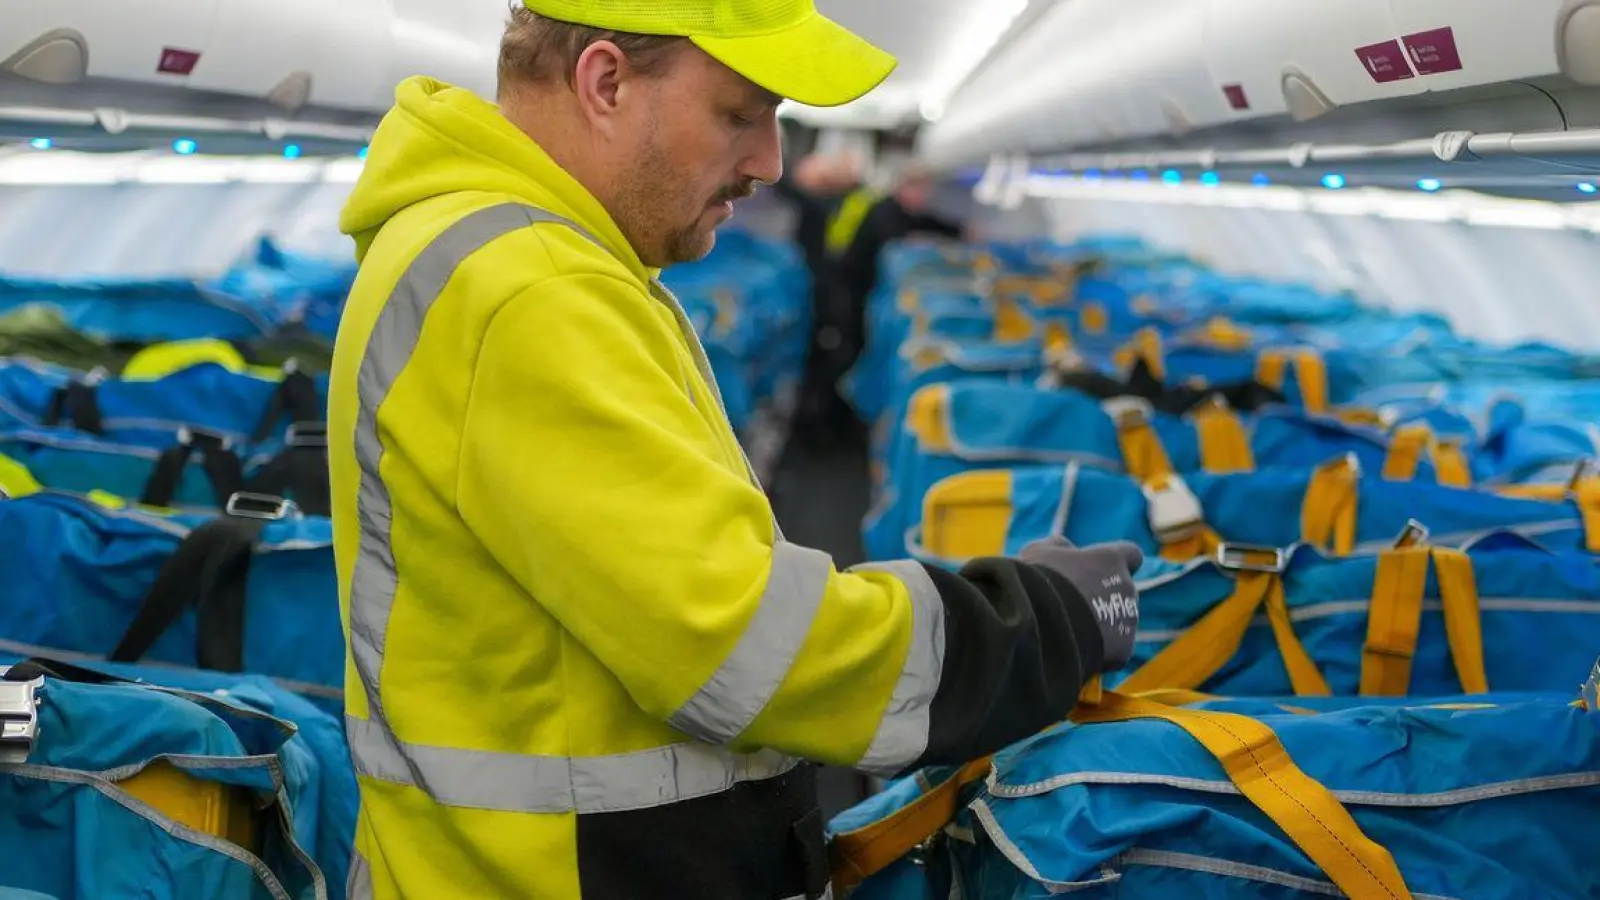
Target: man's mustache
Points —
{"points": [[742, 191]]}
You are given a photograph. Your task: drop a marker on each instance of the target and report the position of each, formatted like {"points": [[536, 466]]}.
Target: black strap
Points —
{"points": [[39, 666], [208, 571], [79, 404], [223, 468], [300, 473], [296, 396]]}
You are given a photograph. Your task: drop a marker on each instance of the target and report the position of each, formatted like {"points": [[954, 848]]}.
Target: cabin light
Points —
{"points": [[1429, 184], [184, 146], [1210, 179], [362, 153], [1140, 175], [1260, 179], [1333, 181], [291, 152], [1587, 187], [1172, 176], [41, 144]]}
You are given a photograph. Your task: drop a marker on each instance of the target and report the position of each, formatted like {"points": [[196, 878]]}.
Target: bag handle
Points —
{"points": [[1206, 646], [1328, 512], [1395, 617], [208, 570]]}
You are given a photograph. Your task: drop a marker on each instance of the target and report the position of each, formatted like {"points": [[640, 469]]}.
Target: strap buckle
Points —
{"points": [[193, 435], [307, 434], [1414, 534], [1128, 411], [19, 719], [1248, 558], [245, 505], [1174, 511]]}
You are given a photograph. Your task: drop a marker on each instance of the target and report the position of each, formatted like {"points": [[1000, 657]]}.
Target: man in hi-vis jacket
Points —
{"points": [[584, 663]]}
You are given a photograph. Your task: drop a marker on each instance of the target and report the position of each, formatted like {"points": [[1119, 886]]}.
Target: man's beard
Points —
{"points": [[641, 207]]}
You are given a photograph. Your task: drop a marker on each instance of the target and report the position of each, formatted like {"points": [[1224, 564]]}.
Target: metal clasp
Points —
{"points": [[1128, 411], [1414, 534], [19, 719], [245, 505], [1174, 511], [307, 434], [190, 435], [1248, 558]]}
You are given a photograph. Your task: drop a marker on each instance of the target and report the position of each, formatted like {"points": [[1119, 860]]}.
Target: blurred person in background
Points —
{"points": [[904, 213]]}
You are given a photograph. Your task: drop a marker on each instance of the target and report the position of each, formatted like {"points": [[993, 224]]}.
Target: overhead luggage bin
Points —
{"points": [[296, 52], [1453, 80], [161, 43]]}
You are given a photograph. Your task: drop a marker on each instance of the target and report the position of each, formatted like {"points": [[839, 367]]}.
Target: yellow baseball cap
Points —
{"points": [[785, 46]]}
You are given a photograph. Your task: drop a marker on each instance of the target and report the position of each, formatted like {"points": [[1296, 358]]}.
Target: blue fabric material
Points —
{"points": [[78, 573], [306, 289], [325, 814], [1139, 809], [1457, 830], [81, 842], [1535, 604]]}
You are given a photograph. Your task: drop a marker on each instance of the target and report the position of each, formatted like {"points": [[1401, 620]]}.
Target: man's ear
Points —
{"points": [[597, 79]]}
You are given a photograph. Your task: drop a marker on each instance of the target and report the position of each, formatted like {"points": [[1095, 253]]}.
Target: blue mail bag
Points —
{"points": [[1502, 613], [252, 592], [112, 789]]}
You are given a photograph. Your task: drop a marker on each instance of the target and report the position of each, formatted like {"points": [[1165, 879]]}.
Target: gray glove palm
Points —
{"points": [[1103, 573]]}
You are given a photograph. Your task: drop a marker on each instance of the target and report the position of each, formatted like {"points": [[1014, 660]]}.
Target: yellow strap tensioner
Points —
{"points": [[1224, 442], [1249, 751]]}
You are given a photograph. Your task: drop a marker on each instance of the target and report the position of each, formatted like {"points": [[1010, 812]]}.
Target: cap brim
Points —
{"points": [[817, 62]]}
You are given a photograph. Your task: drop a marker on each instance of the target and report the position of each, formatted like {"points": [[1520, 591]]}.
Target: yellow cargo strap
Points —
{"points": [[1146, 345], [967, 515], [1012, 324], [1057, 338], [927, 417], [1203, 543], [846, 222], [1258, 764], [1206, 646], [1359, 415], [1224, 444], [1405, 452], [1249, 751], [1463, 617], [1450, 463], [1328, 512], [1222, 334], [1093, 318], [209, 807], [1143, 457], [1310, 371], [857, 855], [1393, 619]]}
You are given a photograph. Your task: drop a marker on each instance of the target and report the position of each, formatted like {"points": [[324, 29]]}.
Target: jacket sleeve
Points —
{"points": [[590, 476]]}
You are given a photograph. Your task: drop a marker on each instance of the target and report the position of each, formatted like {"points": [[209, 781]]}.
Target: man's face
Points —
{"points": [[703, 138]]}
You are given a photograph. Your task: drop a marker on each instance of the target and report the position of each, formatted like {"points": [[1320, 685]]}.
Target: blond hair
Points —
{"points": [[540, 50]]}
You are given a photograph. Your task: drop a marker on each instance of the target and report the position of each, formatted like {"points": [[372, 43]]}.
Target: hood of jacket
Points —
{"points": [[440, 139]]}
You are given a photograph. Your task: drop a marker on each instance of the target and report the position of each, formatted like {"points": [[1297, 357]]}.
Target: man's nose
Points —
{"points": [[763, 161]]}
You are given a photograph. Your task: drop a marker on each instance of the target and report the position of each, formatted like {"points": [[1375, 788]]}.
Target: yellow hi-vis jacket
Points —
{"points": [[583, 662]]}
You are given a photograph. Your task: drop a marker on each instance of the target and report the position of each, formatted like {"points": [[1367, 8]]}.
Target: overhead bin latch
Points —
{"points": [[1451, 146]]}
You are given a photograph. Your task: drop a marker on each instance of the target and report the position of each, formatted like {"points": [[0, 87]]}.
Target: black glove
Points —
{"points": [[1104, 575]]}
